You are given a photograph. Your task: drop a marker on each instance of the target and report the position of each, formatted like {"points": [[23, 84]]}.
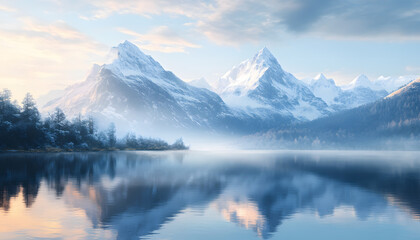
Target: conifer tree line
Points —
{"points": [[22, 128]]}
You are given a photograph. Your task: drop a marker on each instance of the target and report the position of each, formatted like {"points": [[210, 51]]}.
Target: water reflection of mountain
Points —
{"points": [[302, 182], [131, 193], [392, 178], [144, 197], [135, 194], [25, 171], [279, 197]]}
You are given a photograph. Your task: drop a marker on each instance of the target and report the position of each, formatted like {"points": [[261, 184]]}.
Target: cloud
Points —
{"points": [[373, 18], [413, 69], [7, 9], [37, 57], [58, 30], [237, 21], [105, 8], [161, 39]]}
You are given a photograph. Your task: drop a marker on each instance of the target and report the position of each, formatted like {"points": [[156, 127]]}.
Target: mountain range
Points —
{"points": [[392, 122], [138, 94], [358, 92], [260, 85], [134, 91]]}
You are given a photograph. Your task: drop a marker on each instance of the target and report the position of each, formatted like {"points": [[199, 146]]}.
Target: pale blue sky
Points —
{"points": [[48, 44]]}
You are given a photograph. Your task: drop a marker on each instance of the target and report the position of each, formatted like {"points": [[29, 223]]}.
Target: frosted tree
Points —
{"points": [[112, 138]]}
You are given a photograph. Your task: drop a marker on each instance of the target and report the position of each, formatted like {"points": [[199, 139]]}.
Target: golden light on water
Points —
{"points": [[48, 217], [244, 213]]}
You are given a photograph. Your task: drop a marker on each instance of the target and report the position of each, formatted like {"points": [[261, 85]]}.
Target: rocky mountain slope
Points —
{"points": [[261, 86], [135, 92]]}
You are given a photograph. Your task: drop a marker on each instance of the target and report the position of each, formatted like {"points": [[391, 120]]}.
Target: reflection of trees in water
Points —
{"points": [[26, 171], [150, 189]]}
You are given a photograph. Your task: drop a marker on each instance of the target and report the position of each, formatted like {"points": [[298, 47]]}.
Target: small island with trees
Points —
{"points": [[23, 129]]}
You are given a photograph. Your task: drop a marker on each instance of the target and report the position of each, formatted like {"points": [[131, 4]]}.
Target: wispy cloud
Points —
{"points": [[105, 8], [4, 8], [161, 39], [237, 21], [39, 56], [58, 30], [413, 69]]}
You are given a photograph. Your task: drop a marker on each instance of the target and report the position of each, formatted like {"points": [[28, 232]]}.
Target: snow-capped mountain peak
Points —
{"points": [[137, 94], [321, 80], [259, 84], [360, 81], [128, 59], [264, 56], [320, 76], [325, 88], [246, 76]]}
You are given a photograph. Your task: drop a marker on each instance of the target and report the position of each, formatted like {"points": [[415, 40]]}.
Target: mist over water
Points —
{"points": [[211, 195]]}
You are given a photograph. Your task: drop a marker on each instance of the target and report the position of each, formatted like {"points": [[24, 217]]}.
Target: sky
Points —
{"points": [[50, 44]]}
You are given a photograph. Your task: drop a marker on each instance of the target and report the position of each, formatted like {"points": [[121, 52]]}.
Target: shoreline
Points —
{"points": [[57, 150]]}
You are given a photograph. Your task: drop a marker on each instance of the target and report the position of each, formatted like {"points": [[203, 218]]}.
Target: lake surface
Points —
{"points": [[211, 195]]}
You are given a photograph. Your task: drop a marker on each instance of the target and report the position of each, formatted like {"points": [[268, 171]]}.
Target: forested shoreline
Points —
{"points": [[23, 129]]}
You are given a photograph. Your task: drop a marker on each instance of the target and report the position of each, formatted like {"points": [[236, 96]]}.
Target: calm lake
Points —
{"points": [[211, 195]]}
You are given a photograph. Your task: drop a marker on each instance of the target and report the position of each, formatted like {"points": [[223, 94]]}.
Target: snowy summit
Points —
{"points": [[260, 85]]}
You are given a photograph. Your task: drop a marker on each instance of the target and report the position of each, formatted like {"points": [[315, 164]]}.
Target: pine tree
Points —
{"points": [[112, 138], [9, 116], [22, 128], [29, 111], [29, 125]]}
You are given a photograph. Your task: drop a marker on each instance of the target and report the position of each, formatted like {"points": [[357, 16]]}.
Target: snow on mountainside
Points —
{"points": [[49, 96], [360, 81], [361, 91], [135, 92], [397, 114], [246, 76], [200, 83], [391, 84], [261, 86], [388, 123], [412, 84], [388, 84], [358, 92], [325, 89]]}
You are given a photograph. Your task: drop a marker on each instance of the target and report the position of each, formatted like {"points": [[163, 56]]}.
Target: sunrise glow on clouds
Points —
{"points": [[50, 44]]}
